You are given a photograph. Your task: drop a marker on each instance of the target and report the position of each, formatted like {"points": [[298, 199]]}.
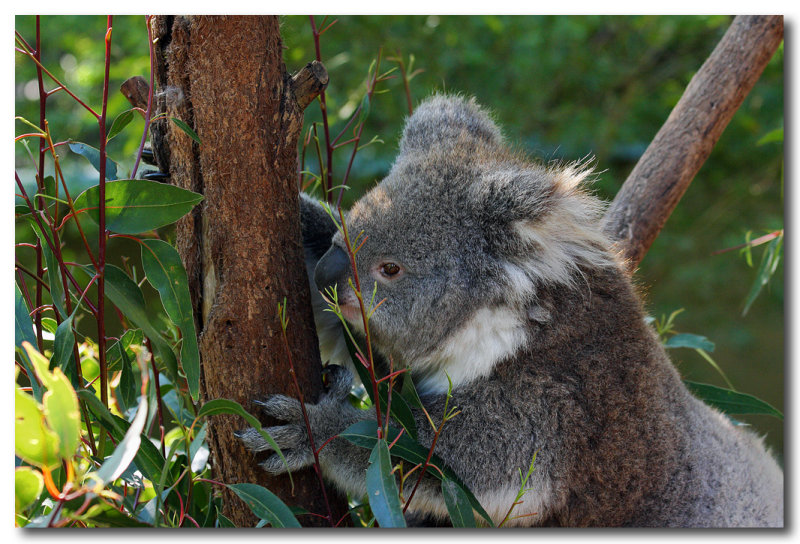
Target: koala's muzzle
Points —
{"points": [[332, 266]]}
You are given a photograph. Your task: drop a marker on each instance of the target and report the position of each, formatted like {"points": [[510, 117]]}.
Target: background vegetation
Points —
{"points": [[562, 88]]}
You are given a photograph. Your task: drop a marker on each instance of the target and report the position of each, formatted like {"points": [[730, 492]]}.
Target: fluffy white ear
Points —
{"points": [[445, 120], [542, 224]]}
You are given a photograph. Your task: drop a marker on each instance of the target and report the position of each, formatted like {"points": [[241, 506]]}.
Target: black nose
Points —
{"points": [[332, 266]]}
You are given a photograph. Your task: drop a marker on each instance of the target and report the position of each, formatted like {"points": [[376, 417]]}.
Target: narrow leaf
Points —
{"points": [[92, 155], [23, 332], [148, 459], [265, 504], [686, 340], [769, 264], [120, 122], [731, 402], [128, 298], [227, 406], [63, 354], [187, 129], [137, 205], [364, 434], [126, 450], [382, 488], [458, 505], [53, 271], [165, 272]]}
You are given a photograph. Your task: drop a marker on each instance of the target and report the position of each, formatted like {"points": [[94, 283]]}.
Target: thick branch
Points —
{"points": [[686, 139]]}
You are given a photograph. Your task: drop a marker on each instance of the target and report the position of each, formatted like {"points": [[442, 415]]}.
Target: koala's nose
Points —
{"points": [[332, 266]]}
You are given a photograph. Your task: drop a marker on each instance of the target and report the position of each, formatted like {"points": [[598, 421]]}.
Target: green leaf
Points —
{"points": [[137, 205], [265, 504], [769, 264], [126, 450], [53, 272], [23, 332], [227, 406], [120, 122], [382, 488], [127, 297], [148, 459], [775, 135], [364, 434], [92, 155], [132, 337], [34, 442], [28, 485], [165, 272], [49, 324], [731, 402], [458, 505], [686, 340], [61, 410], [104, 515], [63, 354], [187, 129], [127, 382]]}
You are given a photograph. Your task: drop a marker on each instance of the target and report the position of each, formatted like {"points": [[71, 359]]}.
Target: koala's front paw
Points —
{"points": [[292, 438]]}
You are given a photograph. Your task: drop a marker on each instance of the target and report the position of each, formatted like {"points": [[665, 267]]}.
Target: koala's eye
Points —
{"points": [[390, 269]]}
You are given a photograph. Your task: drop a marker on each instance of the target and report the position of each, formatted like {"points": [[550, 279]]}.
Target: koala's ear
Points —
{"points": [[510, 196], [443, 120]]}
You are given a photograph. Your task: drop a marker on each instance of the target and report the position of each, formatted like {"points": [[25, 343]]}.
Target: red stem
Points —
{"points": [[317, 466], [101, 252], [148, 20], [327, 180]]}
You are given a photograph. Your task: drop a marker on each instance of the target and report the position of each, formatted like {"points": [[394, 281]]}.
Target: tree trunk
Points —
{"points": [[224, 76], [682, 145]]}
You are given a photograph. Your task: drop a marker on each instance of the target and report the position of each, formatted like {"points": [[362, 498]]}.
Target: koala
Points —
{"points": [[496, 278]]}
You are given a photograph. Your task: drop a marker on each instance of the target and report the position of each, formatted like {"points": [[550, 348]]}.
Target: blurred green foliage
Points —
{"points": [[562, 87]]}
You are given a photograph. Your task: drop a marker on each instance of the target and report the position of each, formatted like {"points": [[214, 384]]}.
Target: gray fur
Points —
{"points": [[509, 289]]}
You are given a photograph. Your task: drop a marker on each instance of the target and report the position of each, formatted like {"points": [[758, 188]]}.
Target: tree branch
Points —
{"points": [[684, 142]]}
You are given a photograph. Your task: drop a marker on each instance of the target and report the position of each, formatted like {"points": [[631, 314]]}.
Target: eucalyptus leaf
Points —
{"points": [[92, 155], [186, 128], [227, 406], [128, 298], [382, 488], [458, 505], [126, 450], [62, 413], [148, 458], [686, 340], [34, 442], [120, 122], [23, 332], [137, 205], [731, 402], [28, 485], [165, 272], [265, 504], [364, 434]]}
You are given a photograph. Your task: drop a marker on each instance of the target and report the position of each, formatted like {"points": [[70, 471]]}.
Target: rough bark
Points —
{"points": [[686, 139], [224, 76]]}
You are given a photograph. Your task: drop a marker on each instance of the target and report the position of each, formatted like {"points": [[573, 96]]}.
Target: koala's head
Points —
{"points": [[459, 237]]}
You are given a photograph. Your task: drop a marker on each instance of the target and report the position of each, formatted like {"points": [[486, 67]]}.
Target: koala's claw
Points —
{"points": [[281, 407], [295, 460]]}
